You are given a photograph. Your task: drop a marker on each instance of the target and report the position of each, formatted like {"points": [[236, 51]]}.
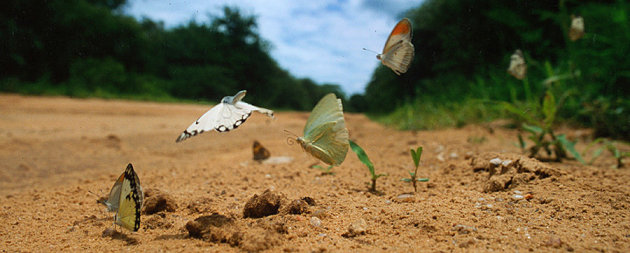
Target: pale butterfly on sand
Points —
{"points": [[398, 51], [518, 67], [125, 199], [223, 117], [325, 132]]}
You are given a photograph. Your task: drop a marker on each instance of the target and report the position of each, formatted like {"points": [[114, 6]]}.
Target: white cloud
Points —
{"points": [[321, 40]]}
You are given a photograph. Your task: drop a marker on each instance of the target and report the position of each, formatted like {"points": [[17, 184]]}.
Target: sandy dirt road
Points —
{"points": [[59, 155]]}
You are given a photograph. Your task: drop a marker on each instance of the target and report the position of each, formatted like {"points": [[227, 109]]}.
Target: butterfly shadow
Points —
{"points": [[116, 235]]}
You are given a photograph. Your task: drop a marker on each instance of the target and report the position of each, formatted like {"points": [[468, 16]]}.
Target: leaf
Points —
{"points": [[549, 109], [532, 129], [362, 156], [423, 180], [521, 142], [514, 110], [570, 146], [415, 155], [406, 179]]}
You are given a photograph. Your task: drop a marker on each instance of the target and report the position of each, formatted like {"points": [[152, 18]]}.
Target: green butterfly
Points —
{"points": [[325, 133]]}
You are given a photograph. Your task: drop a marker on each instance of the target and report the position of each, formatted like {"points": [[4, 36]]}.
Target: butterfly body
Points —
{"points": [[223, 117], [398, 51], [126, 199], [325, 133]]}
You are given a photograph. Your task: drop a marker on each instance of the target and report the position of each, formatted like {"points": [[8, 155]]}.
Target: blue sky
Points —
{"points": [[321, 40]]}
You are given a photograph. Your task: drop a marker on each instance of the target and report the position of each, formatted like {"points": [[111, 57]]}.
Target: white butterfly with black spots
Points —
{"points": [[226, 116]]}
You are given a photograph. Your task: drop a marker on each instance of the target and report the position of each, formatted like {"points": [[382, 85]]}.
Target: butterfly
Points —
{"points": [[577, 28], [125, 199], [517, 67], [260, 152], [325, 132], [398, 52], [227, 115]]}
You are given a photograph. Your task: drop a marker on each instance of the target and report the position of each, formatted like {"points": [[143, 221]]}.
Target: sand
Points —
{"points": [[59, 155]]}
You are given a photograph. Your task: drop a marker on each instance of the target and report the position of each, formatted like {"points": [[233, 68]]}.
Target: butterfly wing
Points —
{"points": [[399, 57], [222, 118], [248, 107], [401, 32], [518, 67], [114, 195], [325, 133], [260, 152], [131, 197]]}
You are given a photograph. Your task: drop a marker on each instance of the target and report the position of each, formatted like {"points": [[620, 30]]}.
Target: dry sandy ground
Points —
{"points": [[59, 155]]}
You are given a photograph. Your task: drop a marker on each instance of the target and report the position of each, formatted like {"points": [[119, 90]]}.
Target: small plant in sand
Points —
{"points": [[415, 155], [611, 147], [365, 160], [539, 124]]}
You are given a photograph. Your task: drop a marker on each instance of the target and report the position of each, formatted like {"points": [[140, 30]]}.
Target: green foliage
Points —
{"points": [[88, 48], [609, 145], [415, 155], [363, 157], [462, 61]]}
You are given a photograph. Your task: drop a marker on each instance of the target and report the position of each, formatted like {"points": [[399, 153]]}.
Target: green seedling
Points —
{"points": [[539, 126], [365, 160], [611, 147], [415, 155]]}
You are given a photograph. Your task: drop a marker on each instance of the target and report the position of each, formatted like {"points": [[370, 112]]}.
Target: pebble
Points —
{"points": [[406, 197], [359, 227], [322, 235], [506, 162], [463, 229], [518, 192], [495, 161], [453, 155], [268, 175], [316, 221], [517, 197]]}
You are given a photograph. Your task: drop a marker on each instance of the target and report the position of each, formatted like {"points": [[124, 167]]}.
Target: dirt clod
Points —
{"points": [[506, 171], [159, 202], [268, 203]]}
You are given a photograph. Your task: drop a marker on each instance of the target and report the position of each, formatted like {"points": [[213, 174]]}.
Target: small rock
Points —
{"points": [[506, 163], [358, 227], [453, 155], [463, 229], [517, 197], [322, 235], [406, 197], [320, 213], [316, 221], [517, 192], [495, 161]]}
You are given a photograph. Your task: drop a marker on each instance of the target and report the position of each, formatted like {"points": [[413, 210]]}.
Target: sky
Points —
{"points": [[321, 40]]}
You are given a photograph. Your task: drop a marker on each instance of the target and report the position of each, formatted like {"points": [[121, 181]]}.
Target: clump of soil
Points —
{"points": [[156, 201], [158, 220], [507, 171], [268, 203], [218, 228]]}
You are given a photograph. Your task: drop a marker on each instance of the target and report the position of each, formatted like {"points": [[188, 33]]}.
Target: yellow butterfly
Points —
{"points": [[325, 132], [125, 199], [398, 51]]}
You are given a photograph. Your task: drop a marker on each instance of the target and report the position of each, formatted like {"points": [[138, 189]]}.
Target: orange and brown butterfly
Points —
{"points": [[398, 51], [518, 67], [260, 152]]}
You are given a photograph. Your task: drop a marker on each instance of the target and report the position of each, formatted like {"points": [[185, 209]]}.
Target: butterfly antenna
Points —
{"points": [[291, 138], [370, 51]]}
